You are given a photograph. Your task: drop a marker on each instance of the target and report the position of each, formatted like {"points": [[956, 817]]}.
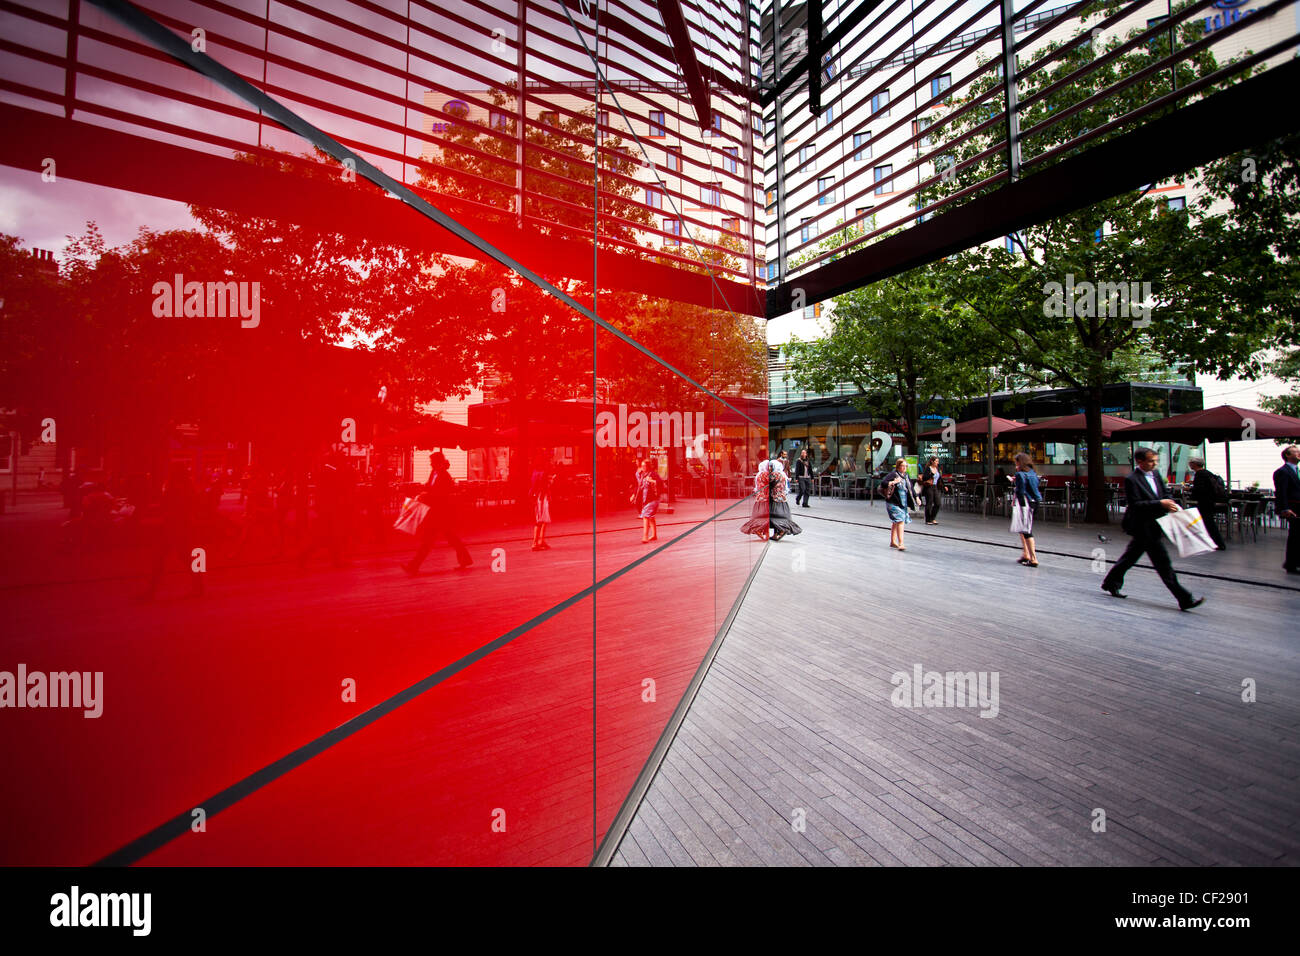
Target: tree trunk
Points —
{"points": [[1097, 512]]}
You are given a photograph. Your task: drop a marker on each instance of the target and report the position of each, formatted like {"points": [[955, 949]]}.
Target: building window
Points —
{"points": [[828, 63], [499, 120], [826, 183], [602, 121], [711, 194], [716, 129], [771, 198], [731, 224], [940, 84], [1101, 231], [862, 211], [882, 172], [813, 311], [829, 116], [657, 128], [733, 161], [919, 126], [1177, 202], [880, 103], [805, 153], [654, 198], [1013, 243], [674, 229], [804, 231], [672, 161], [861, 146]]}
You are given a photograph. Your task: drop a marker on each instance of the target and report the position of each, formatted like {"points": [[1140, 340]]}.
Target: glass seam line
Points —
{"points": [[167, 41], [177, 826]]}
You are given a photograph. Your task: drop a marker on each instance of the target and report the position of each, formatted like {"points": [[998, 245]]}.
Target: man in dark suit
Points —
{"points": [[804, 475], [1286, 486], [1145, 491], [441, 521], [1205, 492]]}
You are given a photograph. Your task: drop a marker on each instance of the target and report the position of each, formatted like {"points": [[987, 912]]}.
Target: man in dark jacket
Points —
{"points": [[804, 475], [439, 495], [1206, 493], [1147, 501], [1286, 486]]}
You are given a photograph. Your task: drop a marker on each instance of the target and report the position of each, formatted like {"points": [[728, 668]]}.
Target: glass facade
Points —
{"points": [[342, 266]]}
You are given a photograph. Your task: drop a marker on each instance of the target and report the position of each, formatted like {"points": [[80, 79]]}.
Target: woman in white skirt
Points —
{"points": [[539, 489]]}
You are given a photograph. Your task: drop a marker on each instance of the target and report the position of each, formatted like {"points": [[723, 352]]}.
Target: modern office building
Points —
{"points": [[860, 162]]}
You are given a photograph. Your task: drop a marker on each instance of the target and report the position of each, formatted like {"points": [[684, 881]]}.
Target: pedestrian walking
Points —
{"points": [[779, 509], [539, 489], [760, 516], [1208, 491], [439, 495], [336, 486], [931, 488], [177, 531], [1286, 486], [900, 499], [1027, 499], [646, 498], [1147, 501], [803, 477]]}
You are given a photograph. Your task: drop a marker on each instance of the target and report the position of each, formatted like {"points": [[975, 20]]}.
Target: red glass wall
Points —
{"points": [[274, 274]]}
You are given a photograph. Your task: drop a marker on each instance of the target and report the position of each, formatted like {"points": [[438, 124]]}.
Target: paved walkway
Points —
{"points": [[794, 753]]}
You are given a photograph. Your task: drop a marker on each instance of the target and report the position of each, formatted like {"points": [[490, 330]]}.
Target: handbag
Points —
{"points": [[412, 516], [1186, 529], [1022, 518]]}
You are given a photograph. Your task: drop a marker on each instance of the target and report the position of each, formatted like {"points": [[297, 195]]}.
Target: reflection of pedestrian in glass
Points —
{"points": [[782, 523], [539, 489], [760, 521], [440, 520], [898, 502], [646, 498], [335, 497], [176, 532]]}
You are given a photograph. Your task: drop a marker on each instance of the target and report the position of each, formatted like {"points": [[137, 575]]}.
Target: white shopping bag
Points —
{"points": [[1186, 529], [1022, 519], [413, 514]]}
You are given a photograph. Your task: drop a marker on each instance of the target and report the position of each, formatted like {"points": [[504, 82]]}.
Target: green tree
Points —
{"points": [[908, 350], [1145, 279]]}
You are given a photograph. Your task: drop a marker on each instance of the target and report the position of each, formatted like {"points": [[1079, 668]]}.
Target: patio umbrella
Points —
{"points": [[1068, 428], [545, 433], [975, 428], [1225, 423], [439, 433]]}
